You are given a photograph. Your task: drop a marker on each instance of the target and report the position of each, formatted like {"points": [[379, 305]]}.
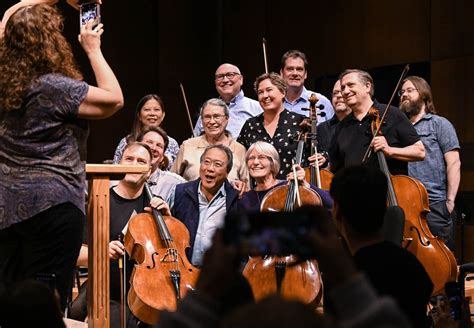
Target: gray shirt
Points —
{"points": [[439, 137], [42, 150]]}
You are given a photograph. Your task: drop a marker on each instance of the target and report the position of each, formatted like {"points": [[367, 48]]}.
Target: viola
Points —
{"points": [[163, 274], [279, 274], [410, 194], [319, 177]]}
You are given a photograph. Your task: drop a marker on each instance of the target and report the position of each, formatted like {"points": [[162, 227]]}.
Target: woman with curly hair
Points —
{"points": [[43, 107]]}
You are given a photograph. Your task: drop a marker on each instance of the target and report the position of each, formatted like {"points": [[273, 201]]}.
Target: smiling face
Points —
{"points": [[337, 100], [269, 96], [157, 146], [136, 155], [294, 72], [354, 91], [228, 81], [214, 121], [213, 170], [151, 114], [259, 165]]}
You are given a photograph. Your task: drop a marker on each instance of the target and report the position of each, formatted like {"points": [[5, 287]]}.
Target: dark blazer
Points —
{"points": [[186, 206]]}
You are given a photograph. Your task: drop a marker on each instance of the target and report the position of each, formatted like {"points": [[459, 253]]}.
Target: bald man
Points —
{"points": [[229, 80]]}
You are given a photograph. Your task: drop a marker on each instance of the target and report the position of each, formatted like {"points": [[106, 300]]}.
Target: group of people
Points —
{"points": [[243, 150]]}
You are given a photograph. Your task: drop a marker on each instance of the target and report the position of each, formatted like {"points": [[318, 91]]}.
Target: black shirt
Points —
{"points": [[352, 138], [288, 124], [326, 132]]}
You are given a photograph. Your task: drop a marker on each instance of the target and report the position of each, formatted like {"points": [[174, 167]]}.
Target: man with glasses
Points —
{"points": [[202, 204], [293, 71], [440, 172], [229, 80], [398, 141]]}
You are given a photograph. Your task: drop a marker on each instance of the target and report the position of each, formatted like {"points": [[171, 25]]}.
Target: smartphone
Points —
{"points": [[89, 11], [454, 295], [270, 233]]}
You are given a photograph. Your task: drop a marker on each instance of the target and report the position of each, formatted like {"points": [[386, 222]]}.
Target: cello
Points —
{"points": [[319, 177], [410, 194], [163, 274], [279, 274]]}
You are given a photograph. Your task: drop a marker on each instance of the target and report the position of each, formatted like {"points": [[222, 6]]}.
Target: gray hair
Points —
{"points": [[364, 77], [215, 102], [268, 150]]}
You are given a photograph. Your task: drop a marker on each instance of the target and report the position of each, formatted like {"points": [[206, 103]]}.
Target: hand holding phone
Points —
{"points": [[89, 11]]}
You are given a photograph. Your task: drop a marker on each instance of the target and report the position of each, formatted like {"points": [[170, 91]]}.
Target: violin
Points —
{"points": [[279, 274], [163, 274], [410, 194], [319, 177]]}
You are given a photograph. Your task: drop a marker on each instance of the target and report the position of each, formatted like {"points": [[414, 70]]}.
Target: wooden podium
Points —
{"points": [[98, 213]]}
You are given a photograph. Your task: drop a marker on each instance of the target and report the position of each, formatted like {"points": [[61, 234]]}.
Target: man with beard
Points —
{"points": [[293, 71], [398, 140], [228, 81], [326, 129], [202, 204], [440, 172]]}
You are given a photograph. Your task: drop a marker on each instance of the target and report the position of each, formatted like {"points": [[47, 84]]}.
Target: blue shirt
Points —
{"points": [[240, 109], [439, 137], [303, 102], [211, 217]]}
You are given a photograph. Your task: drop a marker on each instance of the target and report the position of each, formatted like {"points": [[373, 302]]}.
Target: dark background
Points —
{"points": [[154, 45]]}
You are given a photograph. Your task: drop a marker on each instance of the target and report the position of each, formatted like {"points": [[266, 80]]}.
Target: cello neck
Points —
{"points": [[160, 222]]}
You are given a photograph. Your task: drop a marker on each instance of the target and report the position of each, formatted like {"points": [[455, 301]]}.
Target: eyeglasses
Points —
{"points": [[208, 163], [408, 90], [216, 117], [229, 75], [260, 158]]}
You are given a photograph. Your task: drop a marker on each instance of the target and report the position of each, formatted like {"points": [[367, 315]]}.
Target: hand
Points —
{"points": [[241, 186], [159, 204], [300, 174], [116, 249], [380, 143], [319, 157], [450, 205], [90, 38], [74, 3]]}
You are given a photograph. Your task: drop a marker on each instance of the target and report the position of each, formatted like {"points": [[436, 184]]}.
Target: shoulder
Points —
{"points": [[58, 82], [191, 185], [172, 141], [237, 146], [173, 177]]}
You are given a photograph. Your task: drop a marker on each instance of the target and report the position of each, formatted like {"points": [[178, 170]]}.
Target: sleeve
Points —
{"points": [[66, 93], [179, 159], [119, 150], [242, 139], [328, 109], [446, 135], [198, 129], [172, 151]]}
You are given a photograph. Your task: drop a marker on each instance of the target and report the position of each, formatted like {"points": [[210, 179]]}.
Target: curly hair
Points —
{"points": [[33, 45]]}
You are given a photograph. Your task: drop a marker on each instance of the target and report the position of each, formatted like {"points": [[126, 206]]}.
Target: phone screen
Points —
{"points": [[90, 11]]}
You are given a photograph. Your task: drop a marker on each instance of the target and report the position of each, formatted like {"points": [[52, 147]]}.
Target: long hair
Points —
{"points": [[137, 125], [424, 90], [33, 45]]}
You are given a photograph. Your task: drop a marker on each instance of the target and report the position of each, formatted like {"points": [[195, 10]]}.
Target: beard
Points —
{"points": [[411, 108]]}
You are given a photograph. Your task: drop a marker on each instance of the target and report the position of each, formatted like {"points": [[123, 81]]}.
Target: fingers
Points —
{"points": [[116, 249], [159, 204]]}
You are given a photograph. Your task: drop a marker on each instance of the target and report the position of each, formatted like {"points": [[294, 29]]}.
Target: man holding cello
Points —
{"points": [[399, 141]]}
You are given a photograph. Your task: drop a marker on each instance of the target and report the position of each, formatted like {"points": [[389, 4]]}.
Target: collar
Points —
{"points": [[236, 99], [305, 94], [220, 193]]}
